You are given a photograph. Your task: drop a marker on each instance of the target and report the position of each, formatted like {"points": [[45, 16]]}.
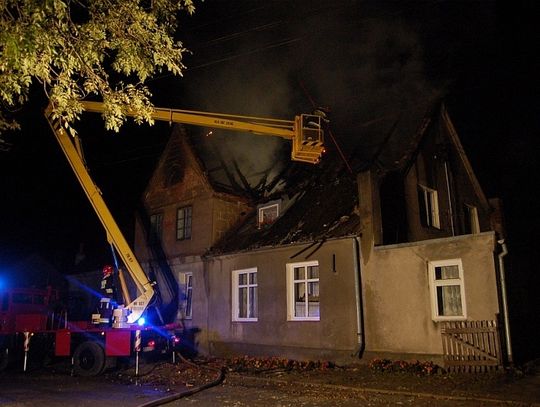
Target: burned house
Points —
{"points": [[340, 261]]}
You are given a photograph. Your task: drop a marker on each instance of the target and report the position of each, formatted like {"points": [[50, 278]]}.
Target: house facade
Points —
{"points": [[343, 263]]}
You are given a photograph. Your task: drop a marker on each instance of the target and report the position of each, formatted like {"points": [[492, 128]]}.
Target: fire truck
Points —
{"points": [[32, 326]]}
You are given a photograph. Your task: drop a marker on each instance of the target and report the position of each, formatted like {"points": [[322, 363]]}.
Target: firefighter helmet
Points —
{"points": [[107, 270]]}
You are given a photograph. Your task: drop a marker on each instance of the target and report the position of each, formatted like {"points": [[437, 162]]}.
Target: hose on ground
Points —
{"points": [[186, 393]]}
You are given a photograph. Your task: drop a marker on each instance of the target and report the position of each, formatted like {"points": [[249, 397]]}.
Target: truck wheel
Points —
{"points": [[88, 359], [4, 359]]}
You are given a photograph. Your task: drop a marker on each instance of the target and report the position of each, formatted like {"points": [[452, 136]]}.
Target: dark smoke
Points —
{"points": [[364, 61]]}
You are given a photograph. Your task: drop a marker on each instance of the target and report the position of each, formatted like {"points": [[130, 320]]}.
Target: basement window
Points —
{"points": [[428, 203], [268, 214], [303, 291], [447, 290]]}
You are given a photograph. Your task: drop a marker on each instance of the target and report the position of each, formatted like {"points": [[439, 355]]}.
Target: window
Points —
{"points": [[183, 223], [303, 291], [472, 224], [156, 227], [244, 295], [447, 290], [268, 214], [428, 203], [187, 297]]}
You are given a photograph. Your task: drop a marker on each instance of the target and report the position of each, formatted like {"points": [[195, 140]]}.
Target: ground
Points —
{"points": [[336, 383]]}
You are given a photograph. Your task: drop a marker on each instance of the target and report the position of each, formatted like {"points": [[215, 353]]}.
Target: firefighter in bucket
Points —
{"points": [[108, 300]]}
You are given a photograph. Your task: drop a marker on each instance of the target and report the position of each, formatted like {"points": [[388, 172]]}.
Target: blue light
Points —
{"points": [[141, 321], [4, 282]]}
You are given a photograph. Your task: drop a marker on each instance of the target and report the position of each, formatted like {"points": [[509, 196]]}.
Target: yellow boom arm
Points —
{"points": [[71, 148], [305, 133]]}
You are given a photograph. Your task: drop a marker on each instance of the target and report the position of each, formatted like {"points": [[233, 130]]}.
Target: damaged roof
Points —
{"points": [[321, 206], [321, 202]]}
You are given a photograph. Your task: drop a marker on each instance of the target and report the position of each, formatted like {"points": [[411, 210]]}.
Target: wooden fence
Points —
{"points": [[471, 346]]}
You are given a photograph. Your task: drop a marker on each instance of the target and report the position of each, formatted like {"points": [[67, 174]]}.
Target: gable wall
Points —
{"points": [[177, 182], [438, 165], [225, 214], [398, 316]]}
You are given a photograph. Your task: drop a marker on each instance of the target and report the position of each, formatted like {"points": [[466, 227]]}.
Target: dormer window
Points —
{"points": [[267, 214]]}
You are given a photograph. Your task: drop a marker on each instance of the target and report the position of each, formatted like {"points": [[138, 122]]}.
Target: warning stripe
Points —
{"points": [[137, 340], [26, 341]]}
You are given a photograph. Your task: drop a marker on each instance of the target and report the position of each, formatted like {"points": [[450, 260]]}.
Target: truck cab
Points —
{"points": [[25, 309]]}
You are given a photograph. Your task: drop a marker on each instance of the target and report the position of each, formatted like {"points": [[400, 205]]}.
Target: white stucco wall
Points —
{"points": [[398, 313]]}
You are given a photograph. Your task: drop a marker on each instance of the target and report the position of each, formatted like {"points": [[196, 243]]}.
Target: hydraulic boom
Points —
{"points": [[305, 133]]}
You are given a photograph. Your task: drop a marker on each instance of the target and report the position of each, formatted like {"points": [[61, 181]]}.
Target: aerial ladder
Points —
{"points": [[307, 145]]}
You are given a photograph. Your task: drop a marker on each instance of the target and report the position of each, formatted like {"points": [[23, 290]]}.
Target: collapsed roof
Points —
{"points": [[316, 202]]}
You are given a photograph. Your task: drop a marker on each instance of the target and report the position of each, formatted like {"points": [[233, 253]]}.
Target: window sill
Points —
{"points": [[308, 319], [449, 319]]}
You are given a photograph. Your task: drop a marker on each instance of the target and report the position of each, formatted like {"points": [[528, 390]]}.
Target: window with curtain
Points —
{"points": [[303, 291], [447, 290], [244, 295]]}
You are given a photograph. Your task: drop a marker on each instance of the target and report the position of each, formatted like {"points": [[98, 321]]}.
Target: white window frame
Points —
{"points": [[434, 284], [261, 212], [431, 205], [291, 304], [187, 301], [235, 295]]}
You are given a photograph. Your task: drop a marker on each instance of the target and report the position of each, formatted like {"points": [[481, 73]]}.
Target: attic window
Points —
{"points": [[472, 224], [268, 214], [174, 173], [429, 207]]}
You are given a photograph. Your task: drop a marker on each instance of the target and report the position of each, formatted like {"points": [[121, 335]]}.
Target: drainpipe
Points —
{"points": [[358, 293], [501, 255]]}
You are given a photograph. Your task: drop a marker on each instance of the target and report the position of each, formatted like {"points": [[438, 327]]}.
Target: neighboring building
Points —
{"points": [[339, 262]]}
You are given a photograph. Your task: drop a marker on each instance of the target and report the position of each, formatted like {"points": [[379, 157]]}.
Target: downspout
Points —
{"points": [[359, 301], [501, 256]]}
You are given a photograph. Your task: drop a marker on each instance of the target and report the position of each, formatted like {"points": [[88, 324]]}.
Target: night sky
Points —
{"points": [[363, 60]]}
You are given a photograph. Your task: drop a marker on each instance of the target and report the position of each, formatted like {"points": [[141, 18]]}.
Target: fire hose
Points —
{"points": [[189, 392]]}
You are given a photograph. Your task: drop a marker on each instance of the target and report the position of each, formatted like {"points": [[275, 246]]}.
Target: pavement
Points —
{"points": [[345, 386], [505, 387]]}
